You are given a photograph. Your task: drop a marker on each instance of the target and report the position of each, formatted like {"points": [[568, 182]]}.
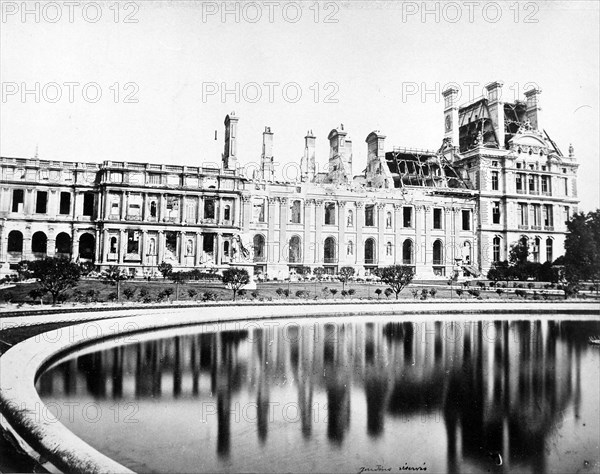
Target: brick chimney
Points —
{"points": [[496, 107], [533, 107], [266, 159]]}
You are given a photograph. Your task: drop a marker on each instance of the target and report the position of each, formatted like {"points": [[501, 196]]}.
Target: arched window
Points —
{"points": [[535, 250], [87, 246], [467, 257], [329, 250], [39, 243], [438, 253], [389, 249], [407, 252], [296, 212], [350, 248], [259, 248], [388, 220], [294, 252], [15, 242], [226, 248], [113, 245], [496, 249], [549, 250], [227, 213], [153, 209], [370, 251], [63, 243], [350, 218]]}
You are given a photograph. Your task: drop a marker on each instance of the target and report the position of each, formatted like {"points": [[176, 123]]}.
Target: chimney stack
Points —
{"points": [[533, 107], [451, 115], [308, 165], [230, 152], [266, 160], [496, 107]]}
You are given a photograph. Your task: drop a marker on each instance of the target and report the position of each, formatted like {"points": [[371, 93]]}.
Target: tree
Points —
{"points": [[178, 278], [87, 268], [519, 251], [114, 276], [235, 278], [582, 248], [165, 269], [344, 275], [378, 292], [54, 275], [319, 272], [397, 277]]}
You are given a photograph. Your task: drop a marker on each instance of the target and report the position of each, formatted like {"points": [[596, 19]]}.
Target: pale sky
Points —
{"points": [[370, 68]]}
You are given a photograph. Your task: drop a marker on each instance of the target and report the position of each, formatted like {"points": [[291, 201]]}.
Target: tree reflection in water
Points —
{"points": [[499, 386]]}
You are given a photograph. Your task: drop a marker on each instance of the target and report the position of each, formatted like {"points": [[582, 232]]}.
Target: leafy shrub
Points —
{"points": [[344, 293], [333, 292], [286, 293], [499, 291], [302, 294], [351, 291], [129, 293], [415, 293], [192, 292], [279, 292], [378, 292], [147, 299], [530, 285], [112, 296], [36, 294], [255, 294], [388, 292], [475, 293], [92, 296], [520, 293], [459, 292], [241, 292], [424, 293], [433, 292], [143, 293]]}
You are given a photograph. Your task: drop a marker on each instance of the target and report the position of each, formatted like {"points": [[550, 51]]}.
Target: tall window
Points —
{"points": [[495, 185], [296, 212], [18, 200], [466, 219], [566, 186], [190, 210], [153, 178], [522, 213], [152, 208], [259, 248], [535, 215], [41, 202], [531, 182], [294, 252], [329, 250], [259, 210], [437, 252], [407, 217], [389, 249], [330, 213], [88, 204], [407, 252], [567, 213], [496, 212], [437, 218], [113, 245], [496, 249], [370, 215], [548, 215], [209, 208], [549, 249], [133, 242], [519, 182], [65, 203], [546, 185], [227, 213]]}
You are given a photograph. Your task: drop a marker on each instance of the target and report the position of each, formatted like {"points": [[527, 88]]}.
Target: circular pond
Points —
{"points": [[364, 394]]}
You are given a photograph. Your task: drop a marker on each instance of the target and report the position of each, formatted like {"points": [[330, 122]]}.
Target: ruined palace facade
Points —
{"points": [[458, 208]]}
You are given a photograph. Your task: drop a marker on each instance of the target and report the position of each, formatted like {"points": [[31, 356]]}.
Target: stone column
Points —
{"points": [[318, 228], [341, 221], [217, 248], [449, 248], [144, 246], [246, 214], [162, 204], [273, 248], [122, 245], [124, 201], [198, 254], [51, 243], [397, 236], [160, 247], [182, 248], [283, 220], [309, 211], [75, 204], [426, 231], [381, 253], [182, 210], [105, 246], [106, 205], [457, 229], [75, 245], [360, 224], [144, 207], [3, 242], [419, 260]]}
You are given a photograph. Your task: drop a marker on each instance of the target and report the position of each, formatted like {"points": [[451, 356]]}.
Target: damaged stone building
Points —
{"points": [[452, 209]]}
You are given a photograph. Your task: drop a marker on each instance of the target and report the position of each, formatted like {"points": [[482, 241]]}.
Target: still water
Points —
{"points": [[378, 394]]}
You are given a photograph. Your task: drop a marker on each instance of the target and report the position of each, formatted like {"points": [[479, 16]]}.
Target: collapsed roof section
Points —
{"points": [[423, 168], [476, 126]]}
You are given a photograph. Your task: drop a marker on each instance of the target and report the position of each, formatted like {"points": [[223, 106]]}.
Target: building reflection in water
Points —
{"points": [[500, 387]]}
